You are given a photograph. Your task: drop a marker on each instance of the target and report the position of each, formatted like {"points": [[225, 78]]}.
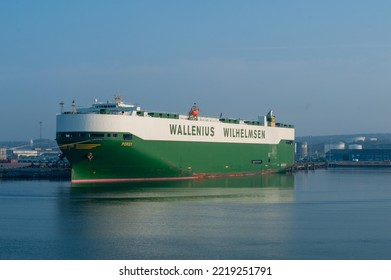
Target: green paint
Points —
{"points": [[116, 158]]}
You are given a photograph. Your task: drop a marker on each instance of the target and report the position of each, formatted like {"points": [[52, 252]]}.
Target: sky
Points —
{"points": [[323, 66]]}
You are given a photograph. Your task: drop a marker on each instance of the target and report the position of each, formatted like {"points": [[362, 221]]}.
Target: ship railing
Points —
{"points": [[176, 116], [100, 112], [284, 125]]}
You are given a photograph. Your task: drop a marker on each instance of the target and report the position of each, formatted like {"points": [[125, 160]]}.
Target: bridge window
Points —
{"points": [[97, 135], [127, 136]]}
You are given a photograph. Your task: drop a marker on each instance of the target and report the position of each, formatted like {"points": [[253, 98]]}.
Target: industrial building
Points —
{"points": [[3, 154], [359, 155]]}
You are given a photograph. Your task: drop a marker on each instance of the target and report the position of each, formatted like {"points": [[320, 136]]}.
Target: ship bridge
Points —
{"points": [[118, 107]]}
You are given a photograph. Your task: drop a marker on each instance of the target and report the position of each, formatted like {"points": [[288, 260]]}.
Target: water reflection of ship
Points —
{"points": [[271, 188], [175, 220]]}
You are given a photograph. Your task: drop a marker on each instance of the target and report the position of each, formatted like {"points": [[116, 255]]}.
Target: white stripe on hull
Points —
{"points": [[164, 129]]}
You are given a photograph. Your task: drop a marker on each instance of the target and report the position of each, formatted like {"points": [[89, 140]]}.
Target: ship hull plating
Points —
{"points": [[118, 160]]}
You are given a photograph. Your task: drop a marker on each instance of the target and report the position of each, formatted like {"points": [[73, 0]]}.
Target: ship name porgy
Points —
{"points": [[197, 130]]}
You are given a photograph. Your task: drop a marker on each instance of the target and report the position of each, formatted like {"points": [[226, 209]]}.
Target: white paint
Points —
{"points": [[149, 128]]}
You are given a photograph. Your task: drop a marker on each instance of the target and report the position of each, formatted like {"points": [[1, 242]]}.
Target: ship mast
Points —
{"points": [[73, 107], [62, 107], [118, 99]]}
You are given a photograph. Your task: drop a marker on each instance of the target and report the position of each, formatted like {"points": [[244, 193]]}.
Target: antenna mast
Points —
{"points": [[62, 107], [40, 130]]}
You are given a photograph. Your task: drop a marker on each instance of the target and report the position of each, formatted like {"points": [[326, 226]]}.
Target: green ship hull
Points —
{"points": [[104, 160]]}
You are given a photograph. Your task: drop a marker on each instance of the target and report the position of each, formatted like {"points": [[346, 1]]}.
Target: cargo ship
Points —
{"points": [[116, 142]]}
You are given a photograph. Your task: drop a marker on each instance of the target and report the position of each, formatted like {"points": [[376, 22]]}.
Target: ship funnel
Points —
{"points": [[271, 119]]}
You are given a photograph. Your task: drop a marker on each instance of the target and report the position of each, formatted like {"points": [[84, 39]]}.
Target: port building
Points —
{"points": [[359, 154]]}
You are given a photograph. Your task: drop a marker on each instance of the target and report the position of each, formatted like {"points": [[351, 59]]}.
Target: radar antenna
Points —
{"points": [[118, 99]]}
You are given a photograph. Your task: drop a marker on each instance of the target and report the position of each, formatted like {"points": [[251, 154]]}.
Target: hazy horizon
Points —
{"points": [[322, 66]]}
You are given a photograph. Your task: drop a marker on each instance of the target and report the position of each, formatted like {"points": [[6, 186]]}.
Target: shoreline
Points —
{"points": [[63, 173]]}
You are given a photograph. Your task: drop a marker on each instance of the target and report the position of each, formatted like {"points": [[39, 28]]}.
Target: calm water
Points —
{"points": [[326, 214]]}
